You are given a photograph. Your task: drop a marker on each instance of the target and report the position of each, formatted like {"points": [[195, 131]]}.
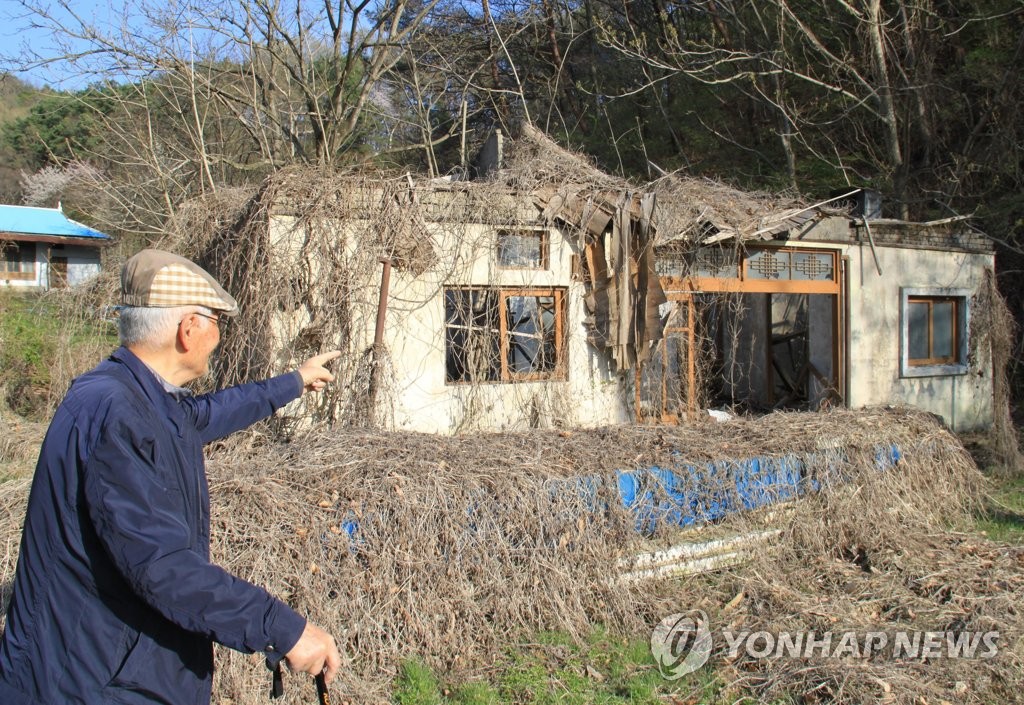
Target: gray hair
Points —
{"points": [[152, 327]]}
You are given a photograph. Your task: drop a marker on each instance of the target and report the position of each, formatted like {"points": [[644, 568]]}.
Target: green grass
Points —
{"points": [[553, 670], [417, 685], [1004, 518], [33, 334]]}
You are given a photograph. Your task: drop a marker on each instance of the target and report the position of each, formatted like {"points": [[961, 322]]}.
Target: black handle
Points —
{"points": [[323, 697], [277, 682]]}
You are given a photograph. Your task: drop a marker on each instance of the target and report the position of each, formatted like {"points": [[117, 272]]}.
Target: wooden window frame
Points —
{"points": [[930, 302], [687, 329], [545, 248], [506, 375], [741, 282], [7, 275], [955, 364]]}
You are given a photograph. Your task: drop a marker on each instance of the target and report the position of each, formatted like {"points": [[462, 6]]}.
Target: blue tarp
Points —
{"points": [[684, 495], [43, 221], [687, 494]]}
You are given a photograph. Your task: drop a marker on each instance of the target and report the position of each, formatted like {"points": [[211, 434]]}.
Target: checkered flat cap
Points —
{"points": [[159, 279]]}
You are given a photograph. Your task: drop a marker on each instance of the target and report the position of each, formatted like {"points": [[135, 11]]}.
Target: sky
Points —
{"points": [[35, 33], [20, 40]]}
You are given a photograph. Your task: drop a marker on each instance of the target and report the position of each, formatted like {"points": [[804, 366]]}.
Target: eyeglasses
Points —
{"points": [[220, 319]]}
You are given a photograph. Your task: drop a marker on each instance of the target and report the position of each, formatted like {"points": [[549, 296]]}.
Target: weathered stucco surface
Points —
{"points": [[421, 398], [964, 401]]}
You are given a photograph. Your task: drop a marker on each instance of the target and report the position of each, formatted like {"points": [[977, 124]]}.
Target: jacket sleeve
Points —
{"points": [[220, 413], [139, 516]]}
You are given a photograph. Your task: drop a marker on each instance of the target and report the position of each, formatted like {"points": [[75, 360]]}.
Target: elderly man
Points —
{"points": [[115, 598]]}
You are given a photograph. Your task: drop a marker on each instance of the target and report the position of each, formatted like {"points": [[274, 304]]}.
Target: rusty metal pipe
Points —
{"points": [[382, 303]]}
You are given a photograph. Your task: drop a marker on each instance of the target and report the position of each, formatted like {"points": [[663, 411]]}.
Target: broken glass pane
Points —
{"points": [[521, 250], [531, 331], [471, 335]]}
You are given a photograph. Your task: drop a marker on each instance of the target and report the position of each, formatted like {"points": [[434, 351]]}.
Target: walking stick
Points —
{"points": [[277, 681], [321, 690]]}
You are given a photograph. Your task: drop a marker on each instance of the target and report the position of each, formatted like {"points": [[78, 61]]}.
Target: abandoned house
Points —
{"points": [[545, 293], [41, 248]]}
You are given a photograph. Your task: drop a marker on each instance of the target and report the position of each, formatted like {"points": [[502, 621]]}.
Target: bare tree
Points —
{"points": [[850, 80], [201, 96], [294, 76]]}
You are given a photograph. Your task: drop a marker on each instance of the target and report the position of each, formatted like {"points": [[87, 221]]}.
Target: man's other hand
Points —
{"points": [[314, 375], [314, 653]]}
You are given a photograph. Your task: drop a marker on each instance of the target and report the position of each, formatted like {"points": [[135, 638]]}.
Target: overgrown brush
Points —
{"points": [[449, 549]]}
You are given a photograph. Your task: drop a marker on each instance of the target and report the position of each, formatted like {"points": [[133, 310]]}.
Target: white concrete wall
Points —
{"points": [[83, 263], [964, 400], [415, 338]]}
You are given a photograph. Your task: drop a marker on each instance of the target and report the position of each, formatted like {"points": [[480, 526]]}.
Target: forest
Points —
{"points": [[919, 99]]}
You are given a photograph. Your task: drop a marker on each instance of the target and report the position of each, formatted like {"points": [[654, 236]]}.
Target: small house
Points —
{"points": [[545, 293], [41, 248]]}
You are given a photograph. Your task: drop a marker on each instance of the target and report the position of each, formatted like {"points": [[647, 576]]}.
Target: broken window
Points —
{"points": [[934, 333], [504, 335], [471, 335], [17, 261], [523, 249], [665, 383]]}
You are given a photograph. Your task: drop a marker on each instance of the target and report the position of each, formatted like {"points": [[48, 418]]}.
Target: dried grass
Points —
{"points": [[994, 332], [19, 442], [467, 545]]}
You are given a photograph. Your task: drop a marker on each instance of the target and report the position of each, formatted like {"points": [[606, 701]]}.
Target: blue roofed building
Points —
{"points": [[41, 248]]}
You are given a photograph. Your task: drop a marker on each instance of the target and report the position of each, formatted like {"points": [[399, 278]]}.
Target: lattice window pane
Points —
{"points": [[767, 264], [670, 265], [815, 266], [717, 263]]}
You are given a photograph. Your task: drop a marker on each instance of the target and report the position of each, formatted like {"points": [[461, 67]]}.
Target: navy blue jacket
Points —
{"points": [[115, 598]]}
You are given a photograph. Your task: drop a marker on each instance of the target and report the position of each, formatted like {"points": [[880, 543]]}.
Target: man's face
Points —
{"points": [[203, 333]]}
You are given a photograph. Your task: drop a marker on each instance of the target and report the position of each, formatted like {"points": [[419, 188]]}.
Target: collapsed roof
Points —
{"points": [[682, 210]]}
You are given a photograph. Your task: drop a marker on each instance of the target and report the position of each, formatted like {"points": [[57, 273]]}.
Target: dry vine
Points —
{"points": [[993, 332]]}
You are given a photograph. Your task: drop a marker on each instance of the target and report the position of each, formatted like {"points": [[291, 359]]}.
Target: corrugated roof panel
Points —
{"points": [[43, 221]]}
